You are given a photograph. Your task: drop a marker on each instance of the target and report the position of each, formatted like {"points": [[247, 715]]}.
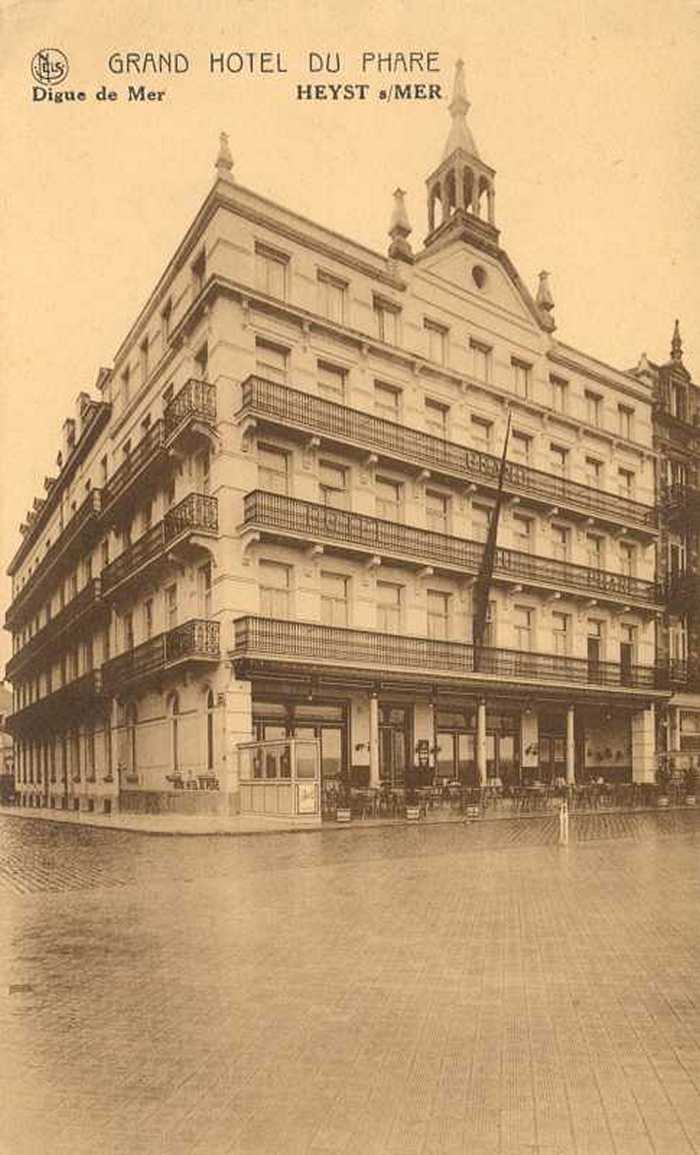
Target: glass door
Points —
{"points": [[394, 744]]}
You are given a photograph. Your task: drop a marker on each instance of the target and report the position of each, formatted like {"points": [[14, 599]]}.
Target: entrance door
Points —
{"points": [[394, 744], [552, 758]]}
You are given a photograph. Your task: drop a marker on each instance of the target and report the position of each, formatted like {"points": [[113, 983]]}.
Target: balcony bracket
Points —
{"points": [[249, 539], [315, 550], [423, 475], [370, 460], [373, 562], [425, 571], [248, 433]]}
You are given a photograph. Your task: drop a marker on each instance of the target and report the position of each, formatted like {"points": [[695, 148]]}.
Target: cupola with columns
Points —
{"points": [[461, 190]]}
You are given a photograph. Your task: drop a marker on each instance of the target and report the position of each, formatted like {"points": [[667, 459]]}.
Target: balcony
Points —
{"points": [[62, 708], [146, 456], [289, 518], [195, 641], [684, 675], [74, 538], [264, 640], [195, 516], [291, 409], [84, 608], [191, 411], [680, 503], [682, 592]]}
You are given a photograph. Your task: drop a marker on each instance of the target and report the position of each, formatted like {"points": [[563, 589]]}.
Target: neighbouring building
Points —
{"points": [[677, 444], [7, 765], [269, 520]]}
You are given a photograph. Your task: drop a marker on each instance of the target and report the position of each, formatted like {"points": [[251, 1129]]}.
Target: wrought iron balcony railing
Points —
{"points": [[147, 452], [293, 642], [73, 537], [196, 513], [290, 407], [311, 521], [195, 401], [195, 640], [680, 501], [81, 610], [58, 709]]}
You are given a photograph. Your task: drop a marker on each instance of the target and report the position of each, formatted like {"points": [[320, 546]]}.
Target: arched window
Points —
{"points": [[175, 731], [210, 729]]}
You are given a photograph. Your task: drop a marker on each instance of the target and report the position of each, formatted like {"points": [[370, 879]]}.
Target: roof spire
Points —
{"points": [[224, 161], [400, 229], [460, 134], [545, 300], [676, 346]]}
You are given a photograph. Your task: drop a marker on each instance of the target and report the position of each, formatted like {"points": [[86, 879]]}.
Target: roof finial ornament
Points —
{"points": [[545, 300], [400, 229], [460, 134], [224, 161], [676, 345]]}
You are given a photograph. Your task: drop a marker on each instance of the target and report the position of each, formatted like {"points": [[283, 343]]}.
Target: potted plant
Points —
{"points": [[691, 784], [663, 777]]}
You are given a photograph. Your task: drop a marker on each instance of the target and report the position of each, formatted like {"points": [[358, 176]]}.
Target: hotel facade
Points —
{"points": [[267, 523]]}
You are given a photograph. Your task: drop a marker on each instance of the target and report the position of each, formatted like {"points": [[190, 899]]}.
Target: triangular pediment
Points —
{"points": [[487, 274]]}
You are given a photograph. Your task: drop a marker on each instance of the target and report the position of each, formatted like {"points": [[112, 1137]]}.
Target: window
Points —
{"points": [[625, 421], [271, 271], [274, 579], [594, 472], [89, 754], [437, 511], [166, 319], [388, 607], [271, 361], [626, 482], [331, 297], [522, 373], [558, 458], [128, 631], [202, 470], [333, 485], [273, 469], [148, 617], [386, 317], [143, 360], [436, 417], [171, 606], [522, 627], [560, 542], [204, 589], [147, 516], [199, 272], [481, 519], [628, 646], [146, 424], [561, 630], [331, 382], [520, 446], [481, 361], [628, 558], [481, 432], [594, 407], [438, 615], [201, 362], [126, 386], [559, 394], [103, 470], [334, 599], [594, 550], [436, 336], [389, 495], [387, 401], [679, 402], [522, 533]]}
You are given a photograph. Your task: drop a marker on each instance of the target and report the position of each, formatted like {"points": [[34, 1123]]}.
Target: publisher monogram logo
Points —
{"points": [[49, 66]]}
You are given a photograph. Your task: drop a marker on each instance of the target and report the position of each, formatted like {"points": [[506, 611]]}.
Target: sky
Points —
{"points": [[587, 109]]}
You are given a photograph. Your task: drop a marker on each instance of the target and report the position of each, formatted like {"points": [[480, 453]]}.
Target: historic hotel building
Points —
{"points": [[270, 519]]}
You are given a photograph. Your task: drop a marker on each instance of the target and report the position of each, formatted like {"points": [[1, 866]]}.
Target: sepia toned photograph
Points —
{"points": [[350, 528]]}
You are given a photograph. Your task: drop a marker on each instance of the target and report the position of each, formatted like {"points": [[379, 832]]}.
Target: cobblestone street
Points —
{"points": [[434, 990]]}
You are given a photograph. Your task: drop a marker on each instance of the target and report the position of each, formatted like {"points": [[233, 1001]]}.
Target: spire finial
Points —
{"points": [[676, 345], [545, 300], [400, 229], [224, 161], [460, 135]]}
